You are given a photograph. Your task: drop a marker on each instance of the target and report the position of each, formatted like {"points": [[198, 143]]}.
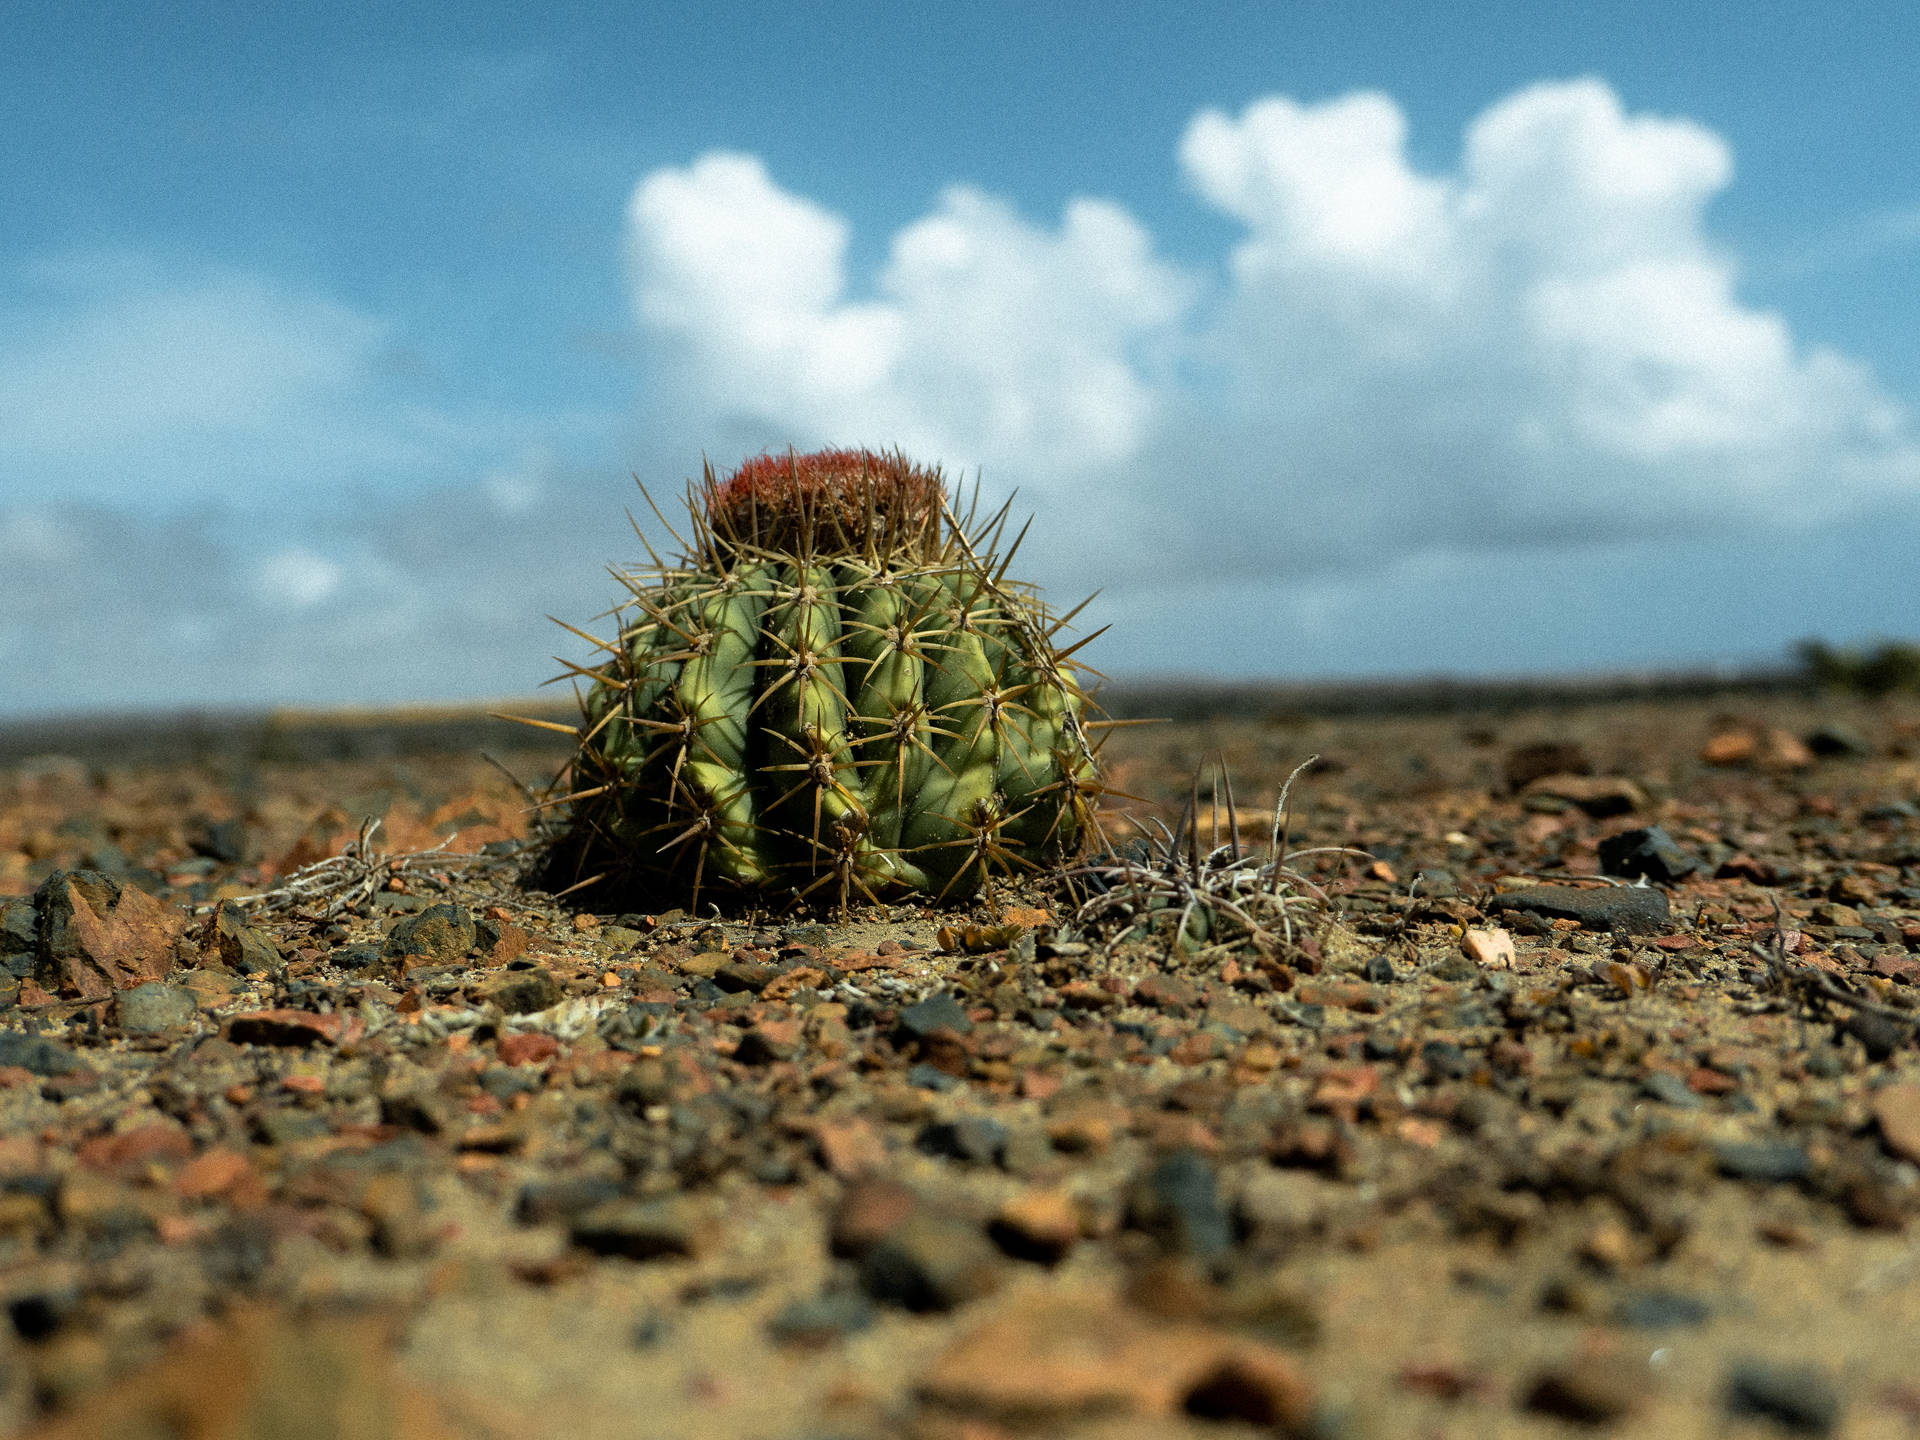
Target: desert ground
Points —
{"points": [[1562, 1079]]}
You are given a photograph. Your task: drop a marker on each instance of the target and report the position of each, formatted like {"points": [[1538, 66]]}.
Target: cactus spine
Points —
{"points": [[835, 691]]}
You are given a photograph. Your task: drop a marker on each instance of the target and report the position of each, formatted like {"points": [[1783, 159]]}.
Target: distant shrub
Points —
{"points": [[1873, 671]]}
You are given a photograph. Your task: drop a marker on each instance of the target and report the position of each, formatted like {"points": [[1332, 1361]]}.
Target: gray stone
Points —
{"points": [[1178, 1203], [1669, 1089], [18, 920], [153, 1007], [1762, 1160], [38, 1055], [1797, 1398], [522, 992], [1660, 1310], [1638, 910], [976, 1139], [821, 1319], [939, 1011], [1648, 852], [543, 1202], [441, 933]]}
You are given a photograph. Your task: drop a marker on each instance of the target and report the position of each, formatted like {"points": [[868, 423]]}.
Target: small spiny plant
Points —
{"points": [[835, 691]]}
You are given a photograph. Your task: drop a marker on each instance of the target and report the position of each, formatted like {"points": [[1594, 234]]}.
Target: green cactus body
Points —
{"points": [[834, 691]]}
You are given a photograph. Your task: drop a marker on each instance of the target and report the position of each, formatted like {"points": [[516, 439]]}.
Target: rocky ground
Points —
{"points": [[1488, 1146]]}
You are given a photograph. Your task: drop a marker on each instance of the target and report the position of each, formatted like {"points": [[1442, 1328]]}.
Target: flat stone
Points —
{"points": [[647, 1229], [544, 1202], [1598, 795], [1638, 910], [1896, 1111], [97, 936], [153, 1007], [526, 1049], [1669, 1089], [1491, 949], [291, 1028], [821, 1319], [939, 1011], [1660, 1310], [38, 1055], [1836, 741], [1762, 1160], [1797, 1398], [1050, 1357], [521, 992]]}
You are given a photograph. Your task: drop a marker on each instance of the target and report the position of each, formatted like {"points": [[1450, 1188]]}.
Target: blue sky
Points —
{"points": [[1328, 339]]}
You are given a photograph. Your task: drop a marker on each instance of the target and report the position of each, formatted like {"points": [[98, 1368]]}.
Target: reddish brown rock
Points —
{"points": [[526, 1049], [292, 1027], [98, 936]]}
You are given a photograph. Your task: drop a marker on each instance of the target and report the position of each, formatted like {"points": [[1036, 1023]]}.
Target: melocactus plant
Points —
{"points": [[836, 691]]}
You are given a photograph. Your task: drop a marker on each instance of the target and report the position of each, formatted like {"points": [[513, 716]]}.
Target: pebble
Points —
{"points": [[975, 1139], [929, 1262], [1648, 852], [1255, 1385], [1635, 909], [1037, 1225], [1525, 764], [1178, 1202], [440, 934], [821, 1319], [1877, 1035], [647, 1229], [1600, 796], [1768, 1160], [1589, 1389], [232, 940], [38, 1055], [521, 992], [1797, 1398], [1896, 1113], [1660, 1310], [1069, 1353], [939, 1011], [1670, 1089]]}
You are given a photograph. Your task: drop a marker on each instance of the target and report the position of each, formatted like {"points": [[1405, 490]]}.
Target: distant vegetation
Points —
{"points": [[1872, 670]]}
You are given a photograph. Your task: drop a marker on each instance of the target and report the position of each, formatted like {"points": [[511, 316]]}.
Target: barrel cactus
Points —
{"points": [[835, 693]]}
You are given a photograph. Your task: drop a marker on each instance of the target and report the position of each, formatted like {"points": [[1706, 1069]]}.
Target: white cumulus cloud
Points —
{"points": [[988, 339], [1539, 346]]}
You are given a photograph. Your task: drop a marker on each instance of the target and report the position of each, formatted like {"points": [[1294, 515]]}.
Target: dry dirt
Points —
{"points": [[466, 1160]]}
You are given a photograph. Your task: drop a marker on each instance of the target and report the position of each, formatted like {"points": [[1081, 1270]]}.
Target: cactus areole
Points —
{"points": [[836, 693]]}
